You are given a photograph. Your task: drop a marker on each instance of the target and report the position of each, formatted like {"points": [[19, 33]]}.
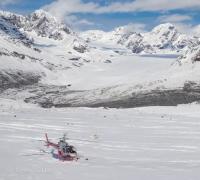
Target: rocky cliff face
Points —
{"points": [[41, 22], [46, 25], [10, 30], [191, 55], [162, 38]]}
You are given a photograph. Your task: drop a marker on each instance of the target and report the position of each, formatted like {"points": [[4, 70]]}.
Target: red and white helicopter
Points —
{"points": [[65, 152]]}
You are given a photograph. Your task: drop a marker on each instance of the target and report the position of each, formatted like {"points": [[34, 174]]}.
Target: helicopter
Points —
{"points": [[65, 152]]}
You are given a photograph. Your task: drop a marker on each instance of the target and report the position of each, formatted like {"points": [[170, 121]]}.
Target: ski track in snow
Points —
{"points": [[144, 143]]}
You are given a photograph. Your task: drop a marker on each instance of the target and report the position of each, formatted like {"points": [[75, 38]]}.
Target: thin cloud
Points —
{"points": [[63, 7], [174, 18], [196, 30], [151, 5], [6, 2], [77, 23], [135, 27], [189, 29], [71, 19]]}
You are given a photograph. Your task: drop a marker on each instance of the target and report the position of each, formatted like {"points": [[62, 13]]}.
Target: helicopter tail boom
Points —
{"points": [[49, 143]]}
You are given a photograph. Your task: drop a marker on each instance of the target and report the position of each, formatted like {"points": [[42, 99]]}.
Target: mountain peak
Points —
{"points": [[41, 14], [46, 25], [166, 25], [162, 29], [8, 14]]}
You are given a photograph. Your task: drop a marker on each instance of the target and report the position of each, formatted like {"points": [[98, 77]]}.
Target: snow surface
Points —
{"points": [[146, 143], [123, 70]]}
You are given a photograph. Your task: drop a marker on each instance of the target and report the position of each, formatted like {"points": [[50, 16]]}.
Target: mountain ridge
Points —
{"points": [[162, 39]]}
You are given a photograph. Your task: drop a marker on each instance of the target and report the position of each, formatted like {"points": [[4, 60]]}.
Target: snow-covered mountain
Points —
{"points": [[191, 55], [43, 24], [164, 38], [19, 60], [113, 37], [40, 21], [46, 25], [41, 46], [99, 67]]}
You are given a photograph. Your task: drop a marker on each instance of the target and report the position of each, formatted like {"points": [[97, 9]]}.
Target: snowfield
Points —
{"points": [[151, 143], [126, 69]]}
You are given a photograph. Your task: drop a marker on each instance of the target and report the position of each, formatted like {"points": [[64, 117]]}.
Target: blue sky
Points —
{"points": [[108, 14]]}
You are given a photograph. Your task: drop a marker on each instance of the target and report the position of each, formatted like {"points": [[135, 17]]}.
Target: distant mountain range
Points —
{"points": [[164, 38]]}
